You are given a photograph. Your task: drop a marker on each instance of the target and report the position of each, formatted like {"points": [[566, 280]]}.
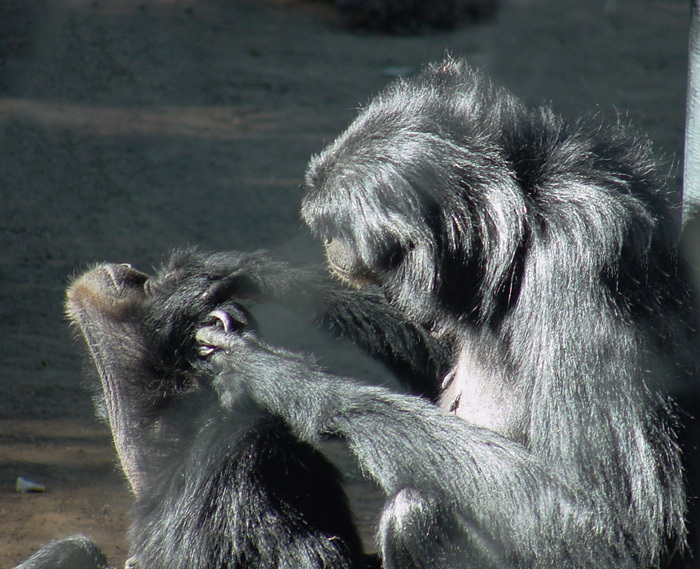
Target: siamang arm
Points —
{"points": [[491, 487], [362, 316], [417, 359]]}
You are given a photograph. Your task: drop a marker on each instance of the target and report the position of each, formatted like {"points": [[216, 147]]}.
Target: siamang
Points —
{"points": [[521, 271], [216, 485], [543, 256]]}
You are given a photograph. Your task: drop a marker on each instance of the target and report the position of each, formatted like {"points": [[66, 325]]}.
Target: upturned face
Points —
{"points": [[125, 316]]}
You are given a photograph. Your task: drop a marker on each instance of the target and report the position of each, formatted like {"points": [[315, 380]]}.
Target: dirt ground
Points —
{"points": [[130, 127]]}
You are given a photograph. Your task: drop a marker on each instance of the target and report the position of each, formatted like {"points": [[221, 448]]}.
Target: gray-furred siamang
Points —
{"points": [[522, 271], [544, 256], [216, 485]]}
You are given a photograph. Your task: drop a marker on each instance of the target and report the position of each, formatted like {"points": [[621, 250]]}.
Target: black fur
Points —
{"points": [[215, 487], [546, 253], [545, 256], [541, 256]]}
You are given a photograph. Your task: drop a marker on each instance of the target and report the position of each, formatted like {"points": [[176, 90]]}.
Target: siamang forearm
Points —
{"points": [[491, 482], [417, 359], [361, 316]]}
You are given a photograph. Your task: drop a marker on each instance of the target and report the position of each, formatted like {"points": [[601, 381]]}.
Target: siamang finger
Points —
{"points": [[223, 329]]}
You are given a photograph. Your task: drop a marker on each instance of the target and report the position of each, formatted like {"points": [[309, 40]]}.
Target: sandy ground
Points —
{"points": [[128, 128]]}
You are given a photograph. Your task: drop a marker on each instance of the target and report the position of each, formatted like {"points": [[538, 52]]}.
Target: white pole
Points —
{"points": [[691, 161]]}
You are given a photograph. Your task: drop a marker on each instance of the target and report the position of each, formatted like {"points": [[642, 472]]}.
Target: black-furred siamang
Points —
{"points": [[544, 257], [216, 487], [522, 271]]}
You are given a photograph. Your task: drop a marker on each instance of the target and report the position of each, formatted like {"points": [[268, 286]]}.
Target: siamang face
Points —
{"points": [[389, 234], [366, 239], [130, 319], [139, 333], [348, 265]]}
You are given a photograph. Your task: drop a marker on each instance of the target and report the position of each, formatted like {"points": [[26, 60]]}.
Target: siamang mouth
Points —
{"points": [[346, 265]]}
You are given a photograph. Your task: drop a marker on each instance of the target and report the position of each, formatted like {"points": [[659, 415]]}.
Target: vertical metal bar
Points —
{"points": [[691, 161]]}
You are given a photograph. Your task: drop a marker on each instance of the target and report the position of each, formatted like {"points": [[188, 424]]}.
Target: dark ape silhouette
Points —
{"points": [[215, 487]]}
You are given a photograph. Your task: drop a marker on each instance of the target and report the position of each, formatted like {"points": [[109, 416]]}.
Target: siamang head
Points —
{"points": [[141, 327], [415, 196], [139, 334]]}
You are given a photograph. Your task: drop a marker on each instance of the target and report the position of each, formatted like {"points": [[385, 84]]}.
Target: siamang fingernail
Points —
{"points": [[224, 318]]}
